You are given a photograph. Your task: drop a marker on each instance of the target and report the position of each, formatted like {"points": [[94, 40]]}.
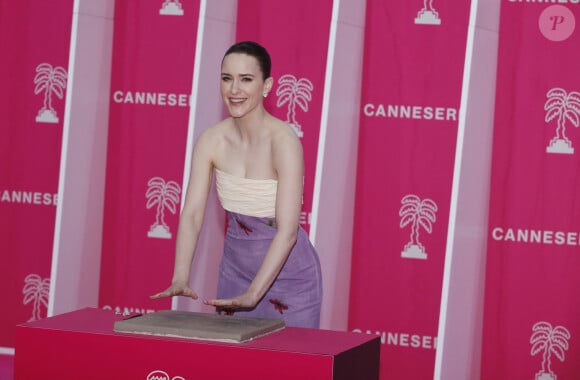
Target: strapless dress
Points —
{"points": [[296, 294]]}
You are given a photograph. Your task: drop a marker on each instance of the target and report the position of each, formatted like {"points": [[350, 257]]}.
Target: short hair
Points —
{"points": [[255, 50]]}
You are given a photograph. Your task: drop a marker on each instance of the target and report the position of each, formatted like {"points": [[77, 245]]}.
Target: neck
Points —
{"points": [[251, 125]]}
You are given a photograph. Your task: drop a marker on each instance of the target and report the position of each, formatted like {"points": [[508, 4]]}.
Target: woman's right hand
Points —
{"points": [[176, 290]]}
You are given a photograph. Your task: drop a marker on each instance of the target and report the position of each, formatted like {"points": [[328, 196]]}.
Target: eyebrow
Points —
{"points": [[242, 75]]}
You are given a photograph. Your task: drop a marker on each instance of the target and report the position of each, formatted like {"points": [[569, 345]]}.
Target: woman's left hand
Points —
{"points": [[243, 301]]}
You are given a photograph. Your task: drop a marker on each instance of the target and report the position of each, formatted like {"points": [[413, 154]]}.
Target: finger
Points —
{"points": [[224, 303], [217, 302], [190, 293], [159, 295]]}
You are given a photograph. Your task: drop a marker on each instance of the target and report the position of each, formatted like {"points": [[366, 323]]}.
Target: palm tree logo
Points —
{"points": [[171, 8], [566, 107], [162, 375], [294, 92], [36, 290], [418, 213], [165, 196], [428, 15], [549, 341], [50, 81]]}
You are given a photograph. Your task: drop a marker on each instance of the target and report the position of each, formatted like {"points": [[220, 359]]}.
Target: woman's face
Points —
{"points": [[242, 84]]}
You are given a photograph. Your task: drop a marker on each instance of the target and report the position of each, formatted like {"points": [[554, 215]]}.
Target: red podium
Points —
{"points": [[82, 345]]}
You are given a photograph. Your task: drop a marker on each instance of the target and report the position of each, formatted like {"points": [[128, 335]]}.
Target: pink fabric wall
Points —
{"points": [[412, 77], [153, 55], [409, 67], [33, 73], [531, 323], [297, 43]]}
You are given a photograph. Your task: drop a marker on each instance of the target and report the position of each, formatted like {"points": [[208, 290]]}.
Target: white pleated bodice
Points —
{"points": [[253, 197]]}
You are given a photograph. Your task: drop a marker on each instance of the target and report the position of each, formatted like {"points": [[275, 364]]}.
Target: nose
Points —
{"points": [[235, 86]]}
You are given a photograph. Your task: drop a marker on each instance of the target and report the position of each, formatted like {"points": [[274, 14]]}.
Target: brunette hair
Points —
{"points": [[255, 50]]}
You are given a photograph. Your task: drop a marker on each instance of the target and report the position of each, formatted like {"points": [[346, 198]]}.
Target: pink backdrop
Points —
{"points": [[409, 109], [153, 55], [412, 76], [532, 309], [296, 36], [33, 73]]}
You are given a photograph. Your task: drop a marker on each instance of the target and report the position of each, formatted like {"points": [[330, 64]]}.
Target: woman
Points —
{"points": [[269, 268]]}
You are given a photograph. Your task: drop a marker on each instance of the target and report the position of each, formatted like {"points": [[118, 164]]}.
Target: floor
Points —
{"points": [[6, 367]]}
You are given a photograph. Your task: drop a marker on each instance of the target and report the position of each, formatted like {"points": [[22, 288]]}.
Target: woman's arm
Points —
{"points": [[191, 218], [289, 164]]}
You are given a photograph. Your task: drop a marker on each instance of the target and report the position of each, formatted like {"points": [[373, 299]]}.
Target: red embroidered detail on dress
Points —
{"points": [[278, 305], [225, 311], [244, 227]]}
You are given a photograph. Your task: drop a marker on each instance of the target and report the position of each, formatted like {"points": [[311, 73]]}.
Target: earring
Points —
{"points": [[265, 94]]}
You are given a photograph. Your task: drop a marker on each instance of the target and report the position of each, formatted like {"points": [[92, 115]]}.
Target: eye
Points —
{"points": [[225, 78], [246, 79]]}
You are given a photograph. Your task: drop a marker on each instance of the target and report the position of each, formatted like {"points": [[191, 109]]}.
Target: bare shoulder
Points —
{"points": [[284, 138], [212, 137], [287, 151], [211, 142]]}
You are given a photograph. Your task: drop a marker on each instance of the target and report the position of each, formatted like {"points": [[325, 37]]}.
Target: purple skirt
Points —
{"points": [[295, 295]]}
